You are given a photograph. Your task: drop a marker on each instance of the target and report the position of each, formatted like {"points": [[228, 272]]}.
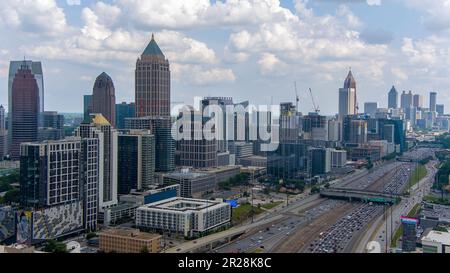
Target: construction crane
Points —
{"points": [[316, 107]]}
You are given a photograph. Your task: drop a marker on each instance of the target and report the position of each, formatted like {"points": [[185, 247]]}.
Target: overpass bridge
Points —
{"points": [[365, 196]]}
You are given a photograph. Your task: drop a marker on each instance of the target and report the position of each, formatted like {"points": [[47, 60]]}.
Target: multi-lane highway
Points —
{"points": [[383, 228], [314, 224]]}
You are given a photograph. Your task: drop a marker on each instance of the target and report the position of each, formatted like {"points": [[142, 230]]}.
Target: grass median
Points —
{"points": [[399, 232]]}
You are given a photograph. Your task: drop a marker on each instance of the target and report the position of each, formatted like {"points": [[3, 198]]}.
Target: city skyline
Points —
{"points": [[244, 57], [252, 126]]}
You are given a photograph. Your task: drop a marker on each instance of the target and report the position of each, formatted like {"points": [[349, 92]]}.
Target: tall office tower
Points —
{"points": [[3, 134], [49, 173], [417, 101], [100, 128], [36, 70], [319, 161], [196, 151], [104, 98], [25, 110], [388, 133], [315, 127], [347, 97], [393, 98], [370, 108], [399, 132], [440, 109], [290, 125], [136, 160], [87, 107], [433, 100], [161, 128], [52, 126], [406, 100], [152, 83], [124, 110], [334, 130], [222, 102], [355, 131]]}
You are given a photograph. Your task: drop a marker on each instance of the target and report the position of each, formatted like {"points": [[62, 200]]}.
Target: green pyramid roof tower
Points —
{"points": [[153, 49]]}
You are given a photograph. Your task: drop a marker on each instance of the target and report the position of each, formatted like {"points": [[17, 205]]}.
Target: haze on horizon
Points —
{"points": [[249, 49]]}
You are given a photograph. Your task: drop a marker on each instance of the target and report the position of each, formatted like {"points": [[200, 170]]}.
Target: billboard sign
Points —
{"points": [[409, 220]]}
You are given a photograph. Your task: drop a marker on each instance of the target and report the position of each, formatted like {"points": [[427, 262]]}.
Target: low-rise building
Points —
{"points": [[119, 213], [192, 184], [365, 153], [154, 195], [222, 173], [436, 242], [189, 217], [255, 161], [129, 241]]}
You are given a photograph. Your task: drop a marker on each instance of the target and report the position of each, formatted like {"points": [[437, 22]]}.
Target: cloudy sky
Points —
{"points": [[248, 49]]}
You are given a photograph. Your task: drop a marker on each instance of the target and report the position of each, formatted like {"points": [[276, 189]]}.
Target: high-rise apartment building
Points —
{"points": [[161, 128], [50, 173], [102, 130], [24, 115], [152, 90], [104, 98], [54, 173], [136, 160]]}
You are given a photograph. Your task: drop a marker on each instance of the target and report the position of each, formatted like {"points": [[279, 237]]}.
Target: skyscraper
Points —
{"points": [[440, 109], [164, 143], [54, 173], [87, 107], [370, 108], [433, 100], [417, 101], [406, 100], [347, 97], [152, 85], [41, 166], [25, 109], [102, 130], [136, 160], [393, 98], [36, 70], [124, 110], [3, 134], [104, 98], [52, 126], [197, 153]]}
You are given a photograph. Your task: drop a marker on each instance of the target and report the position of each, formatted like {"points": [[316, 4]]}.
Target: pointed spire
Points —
{"points": [[153, 49], [350, 81]]}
